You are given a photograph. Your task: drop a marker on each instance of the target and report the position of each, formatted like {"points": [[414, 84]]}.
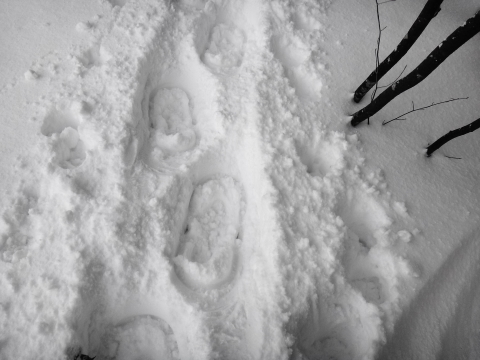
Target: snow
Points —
{"points": [[181, 182]]}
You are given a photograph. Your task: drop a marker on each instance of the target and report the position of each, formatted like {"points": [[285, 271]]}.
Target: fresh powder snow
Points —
{"points": [[180, 182]]}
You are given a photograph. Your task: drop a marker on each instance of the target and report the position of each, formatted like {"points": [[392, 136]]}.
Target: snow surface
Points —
{"points": [[180, 182]]}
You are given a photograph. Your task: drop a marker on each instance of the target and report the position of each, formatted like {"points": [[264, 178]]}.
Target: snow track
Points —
{"points": [[193, 206], [453, 325]]}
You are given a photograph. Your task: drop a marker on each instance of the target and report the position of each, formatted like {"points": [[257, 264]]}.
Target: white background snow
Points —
{"points": [[179, 181]]}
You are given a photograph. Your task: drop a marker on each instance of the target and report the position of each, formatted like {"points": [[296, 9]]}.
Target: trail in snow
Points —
{"points": [[447, 329], [192, 204]]}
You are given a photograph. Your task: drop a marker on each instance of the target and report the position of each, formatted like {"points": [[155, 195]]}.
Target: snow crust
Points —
{"points": [[191, 191]]}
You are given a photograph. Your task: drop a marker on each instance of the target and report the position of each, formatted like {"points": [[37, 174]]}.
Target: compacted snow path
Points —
{"points": [[188, 201]]}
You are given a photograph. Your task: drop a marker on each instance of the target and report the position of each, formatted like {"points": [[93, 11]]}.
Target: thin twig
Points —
{"points": [[446, 48], [398, 77], [452, 157], [431, 8], [377, 51], [399, 117], [377, 55]]}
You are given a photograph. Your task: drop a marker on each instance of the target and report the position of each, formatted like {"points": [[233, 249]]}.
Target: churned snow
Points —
{"points": [[181, 182]]}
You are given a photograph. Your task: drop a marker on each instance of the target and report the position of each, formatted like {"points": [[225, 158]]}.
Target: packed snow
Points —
{"points": [[180, 182]]}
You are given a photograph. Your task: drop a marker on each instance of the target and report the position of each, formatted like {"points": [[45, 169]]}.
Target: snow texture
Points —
{"points": [[186, 197]]}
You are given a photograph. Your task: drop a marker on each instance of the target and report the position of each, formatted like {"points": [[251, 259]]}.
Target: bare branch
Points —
{"points": [[377, 55], [429, 11], [377, 52], [447, 47], [452, 135], [399, 117]]}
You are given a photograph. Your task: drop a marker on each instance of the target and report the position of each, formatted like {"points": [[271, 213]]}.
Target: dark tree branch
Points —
{"points": [[377, 51], [399, 117], [430, 10], [452, 135], [459, 37]]}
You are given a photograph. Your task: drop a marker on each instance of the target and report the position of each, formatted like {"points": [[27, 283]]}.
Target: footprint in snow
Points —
{"points": [[207, 253], [367, 222], [119, 3], [190, 4], [61, 126], [171, 124], [307, 16], [139, 337], [92, 57], [295, 56], [364, 217], [225, 49], [360, 271], [325, 157]]}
